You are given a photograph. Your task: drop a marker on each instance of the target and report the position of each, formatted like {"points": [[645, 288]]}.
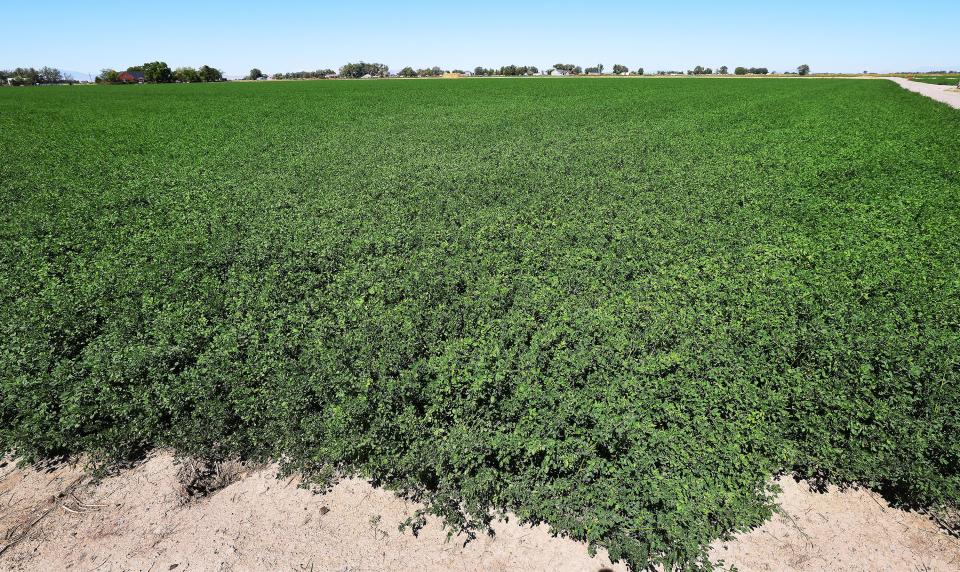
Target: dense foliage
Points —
{"points": [[568, 69], [186, 75], [315, 74], [363, 69], [740, 70], [32, 76], [616, 307], [159, 72]]}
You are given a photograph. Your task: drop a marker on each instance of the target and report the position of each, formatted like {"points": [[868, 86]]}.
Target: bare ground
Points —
{"points": [[145, 519]]}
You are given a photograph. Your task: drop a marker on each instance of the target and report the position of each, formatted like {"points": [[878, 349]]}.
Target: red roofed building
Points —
{"points": [[130, 77]]}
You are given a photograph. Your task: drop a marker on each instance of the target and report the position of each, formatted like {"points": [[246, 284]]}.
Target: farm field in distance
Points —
{"points": [[617, 307], [938, 79]]}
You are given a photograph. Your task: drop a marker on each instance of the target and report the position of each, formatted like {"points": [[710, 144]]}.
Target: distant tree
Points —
{"points": [[317, 74], [107, 75], [639, 71], [740, 70], [48, 74], [619, 69], [600, 67], [208, 74], [577, 70], [255, 73], [513, 70], [407, 72], [435, 71], [803, 70], [136, 68], [723, 70], [157, 72], [461, 72], [594, 69], [24, 76], [358, 70], [32, 76], [186, 75]]}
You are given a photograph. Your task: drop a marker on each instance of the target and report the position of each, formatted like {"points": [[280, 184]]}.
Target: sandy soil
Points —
{"points": [[140, 519], [948, 94]]}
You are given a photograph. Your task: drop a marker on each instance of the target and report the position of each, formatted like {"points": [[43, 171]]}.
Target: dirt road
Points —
{"points": [[948, 94]]}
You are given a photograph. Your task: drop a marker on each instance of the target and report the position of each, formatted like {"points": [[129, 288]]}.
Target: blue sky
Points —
{"points": [[292, 35]]}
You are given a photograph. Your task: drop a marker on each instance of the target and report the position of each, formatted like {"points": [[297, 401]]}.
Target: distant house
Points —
{"points": [[130, 77]]}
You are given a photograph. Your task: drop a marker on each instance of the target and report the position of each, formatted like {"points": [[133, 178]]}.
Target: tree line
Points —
{"points": [[31, 76], [362, 69], [435, 71], [739, 70], [801, 70], [316, 74], [160, 72]]}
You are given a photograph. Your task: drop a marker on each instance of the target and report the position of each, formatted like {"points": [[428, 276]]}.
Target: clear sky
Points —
{"points": [[293, 35]]}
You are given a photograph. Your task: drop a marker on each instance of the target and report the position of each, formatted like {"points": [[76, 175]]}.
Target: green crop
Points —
{"points": [[614, 306], [938, 79]]}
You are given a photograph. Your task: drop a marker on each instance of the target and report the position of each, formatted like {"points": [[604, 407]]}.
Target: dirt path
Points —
{"points": [[948, 94], [140, 520]]}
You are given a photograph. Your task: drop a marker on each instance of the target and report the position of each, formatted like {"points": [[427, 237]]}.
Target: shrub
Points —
{"points": [[614, 307]]}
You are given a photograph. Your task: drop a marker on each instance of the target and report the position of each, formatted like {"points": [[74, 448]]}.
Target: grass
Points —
{"points": [[938, 79], [615, 307]]}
